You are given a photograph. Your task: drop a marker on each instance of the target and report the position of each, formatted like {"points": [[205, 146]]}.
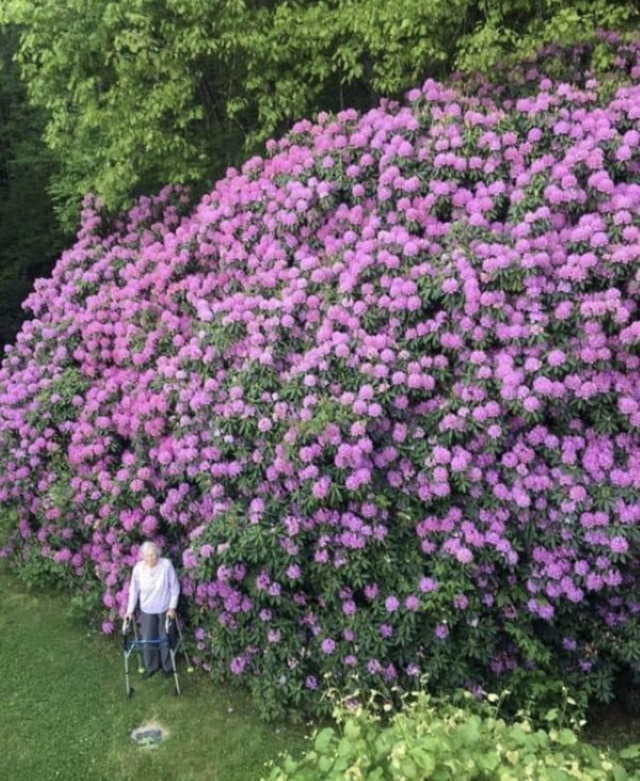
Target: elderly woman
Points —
{"points": [[154, 580]]}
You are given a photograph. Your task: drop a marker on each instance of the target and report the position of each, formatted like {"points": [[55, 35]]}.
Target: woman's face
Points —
{"points": [[150, 558]]}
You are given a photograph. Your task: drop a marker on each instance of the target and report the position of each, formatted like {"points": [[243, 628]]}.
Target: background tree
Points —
{"points": [[142, 93]]}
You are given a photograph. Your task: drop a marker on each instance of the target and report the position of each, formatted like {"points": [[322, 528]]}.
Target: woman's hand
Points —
{"points": [[128, 617], [171, 613]]}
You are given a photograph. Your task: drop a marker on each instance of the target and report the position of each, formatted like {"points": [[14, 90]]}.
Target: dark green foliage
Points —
{"points": [[30, 238]]}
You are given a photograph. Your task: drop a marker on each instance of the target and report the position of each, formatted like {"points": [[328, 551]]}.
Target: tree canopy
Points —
{"points": [[146, 92]]}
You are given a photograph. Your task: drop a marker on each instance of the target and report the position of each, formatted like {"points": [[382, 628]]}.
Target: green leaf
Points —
{"points": [[566, 737], [323, 740], [424, 760]]}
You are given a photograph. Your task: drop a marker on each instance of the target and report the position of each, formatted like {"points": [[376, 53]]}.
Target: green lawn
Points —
{"points": [[64, 714]]}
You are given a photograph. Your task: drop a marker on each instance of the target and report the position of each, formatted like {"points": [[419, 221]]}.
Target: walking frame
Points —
{"points": [[174, 640]]}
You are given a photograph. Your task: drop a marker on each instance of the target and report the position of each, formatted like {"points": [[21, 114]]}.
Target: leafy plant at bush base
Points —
{"points": [[379, 391], [439, 739]]}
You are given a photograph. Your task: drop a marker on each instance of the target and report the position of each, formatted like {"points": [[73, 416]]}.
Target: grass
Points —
{"points": [[64, 714]]}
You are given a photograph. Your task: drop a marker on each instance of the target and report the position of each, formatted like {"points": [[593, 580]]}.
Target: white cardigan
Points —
{"points": [[157, 587]]}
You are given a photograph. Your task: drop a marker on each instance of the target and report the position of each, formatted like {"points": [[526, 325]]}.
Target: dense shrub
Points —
{"points": [[439, 739], [380, 390]]}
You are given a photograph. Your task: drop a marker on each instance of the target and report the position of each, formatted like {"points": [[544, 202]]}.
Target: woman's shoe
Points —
{"points": [[149, 673]]}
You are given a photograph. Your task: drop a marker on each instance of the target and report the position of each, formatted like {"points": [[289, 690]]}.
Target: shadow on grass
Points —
{"points": [[610, 726]]}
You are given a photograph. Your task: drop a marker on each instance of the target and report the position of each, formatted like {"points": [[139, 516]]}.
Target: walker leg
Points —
{"points": [[172, 654]]}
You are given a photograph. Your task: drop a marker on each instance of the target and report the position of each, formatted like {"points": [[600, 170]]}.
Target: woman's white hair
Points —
{"points": [[148, 547]]}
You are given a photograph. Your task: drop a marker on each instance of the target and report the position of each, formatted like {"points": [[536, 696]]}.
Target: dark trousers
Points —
{"points": [[153, 629]]}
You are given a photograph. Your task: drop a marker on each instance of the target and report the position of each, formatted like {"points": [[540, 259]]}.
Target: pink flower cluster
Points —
{"points": [[381, 390]]}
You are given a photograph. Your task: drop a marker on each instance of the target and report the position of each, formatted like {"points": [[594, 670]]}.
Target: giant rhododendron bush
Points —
{"points": [[378, 394]]}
